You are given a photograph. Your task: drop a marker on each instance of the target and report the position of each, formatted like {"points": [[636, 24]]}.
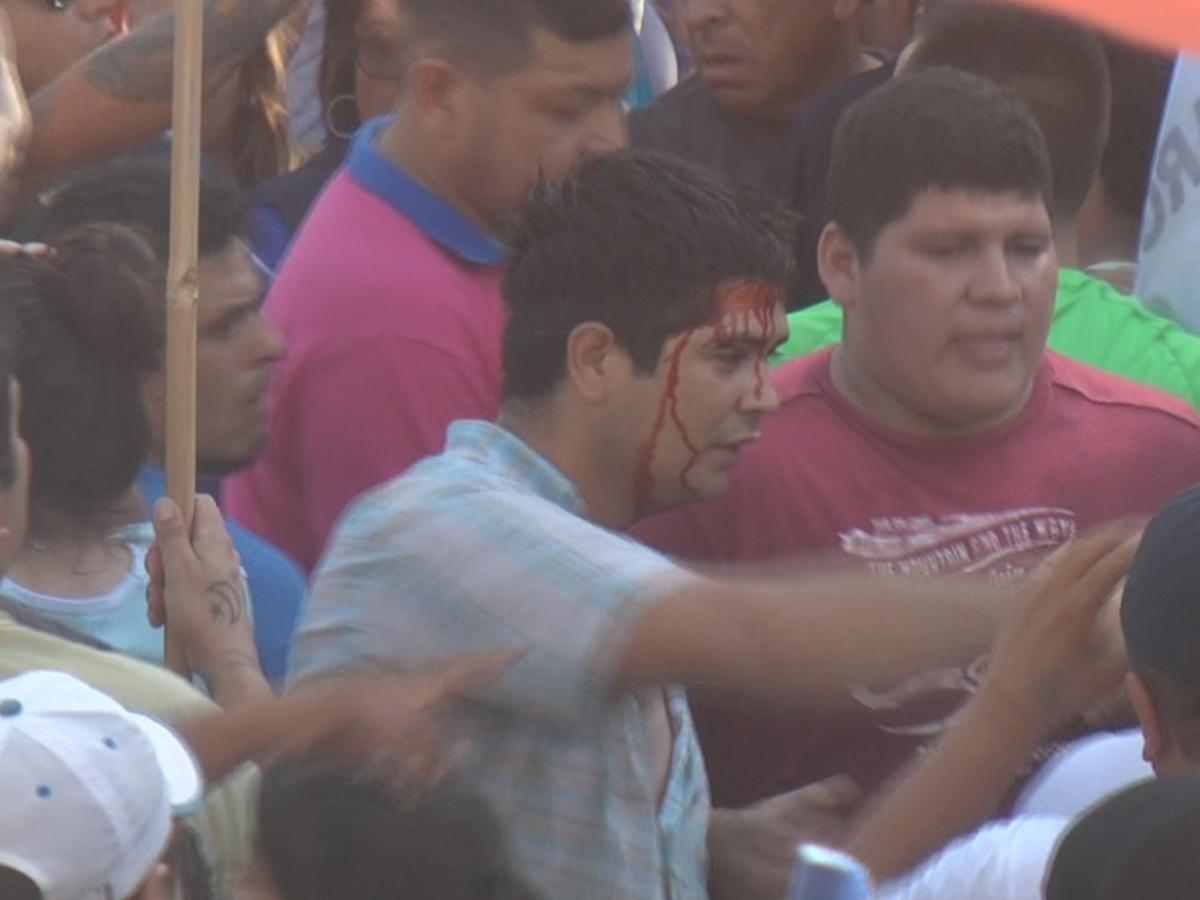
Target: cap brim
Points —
{"points": [[181, 771]]}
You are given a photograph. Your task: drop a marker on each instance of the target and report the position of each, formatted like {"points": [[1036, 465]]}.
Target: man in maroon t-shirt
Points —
{"points": [[940, 436]]}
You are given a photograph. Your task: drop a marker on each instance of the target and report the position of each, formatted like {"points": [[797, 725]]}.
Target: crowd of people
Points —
{"points": [[636, 439]]}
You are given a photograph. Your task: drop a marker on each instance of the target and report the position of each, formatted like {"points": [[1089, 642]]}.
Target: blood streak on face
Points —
{"points": [[746, 311]]}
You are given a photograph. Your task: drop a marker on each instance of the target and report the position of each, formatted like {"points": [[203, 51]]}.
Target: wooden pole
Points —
{"points": [[182, 288]]}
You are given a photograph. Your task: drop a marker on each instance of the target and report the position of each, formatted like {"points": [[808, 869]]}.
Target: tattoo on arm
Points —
{"points": [[226, 603], [139, 68]]}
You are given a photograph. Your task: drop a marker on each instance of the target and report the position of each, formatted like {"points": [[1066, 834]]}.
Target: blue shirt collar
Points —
{"points": [[504, 453], [433, 215]]}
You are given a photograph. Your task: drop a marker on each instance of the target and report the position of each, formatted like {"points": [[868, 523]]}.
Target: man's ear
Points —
{"points": [[1154, 738], [592, 361], [838, 265], [439, 90]]}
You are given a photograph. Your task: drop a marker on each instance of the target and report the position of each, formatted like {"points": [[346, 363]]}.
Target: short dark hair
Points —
{"points": [[936, 129], [335, 833], [1177, 705], [91, 325], [1055, 65], [492, 37], [16, 885], [137, 194], [640, 242], [1140, 81]]}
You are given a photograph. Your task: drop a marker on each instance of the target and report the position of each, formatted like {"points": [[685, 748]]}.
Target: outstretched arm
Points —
{"points": [[119, 96], [1062, 651]]}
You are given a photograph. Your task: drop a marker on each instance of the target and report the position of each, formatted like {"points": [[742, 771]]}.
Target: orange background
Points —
{"points": [[1169, 24]]}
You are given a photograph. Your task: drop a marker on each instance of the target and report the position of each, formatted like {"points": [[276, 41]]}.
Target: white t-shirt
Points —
{"points": [[1084, 773], [1005, 860]]}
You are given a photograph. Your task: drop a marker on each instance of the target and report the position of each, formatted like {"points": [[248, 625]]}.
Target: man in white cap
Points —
{"points": [[90, 793]]}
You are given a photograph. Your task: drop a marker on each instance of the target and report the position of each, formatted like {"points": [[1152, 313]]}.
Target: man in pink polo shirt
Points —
{"points": [[389, 297]]}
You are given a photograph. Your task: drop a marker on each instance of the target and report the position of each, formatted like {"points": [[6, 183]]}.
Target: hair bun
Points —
{"points": [[107, 285]]}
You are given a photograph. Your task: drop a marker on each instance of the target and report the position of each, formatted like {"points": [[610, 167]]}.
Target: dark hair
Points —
{"points": [[939, 129], [337, 73], [491, 37], [16, 885], [90, 329], [332, 833], [1177, 705], [137, 195], [8, 366], [190, 865], [1140, 81], [638, 241], [1055, 65]]}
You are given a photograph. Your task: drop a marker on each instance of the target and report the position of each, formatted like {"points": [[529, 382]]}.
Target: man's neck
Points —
{"points": [[853, 62], [568, 450], [404, 150], [876, 402]]}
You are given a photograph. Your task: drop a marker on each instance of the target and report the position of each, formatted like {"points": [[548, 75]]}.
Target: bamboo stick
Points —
{"points": [[182, 287]]}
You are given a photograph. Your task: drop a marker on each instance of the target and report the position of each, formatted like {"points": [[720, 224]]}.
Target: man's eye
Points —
{"points": [[1030, 249]]}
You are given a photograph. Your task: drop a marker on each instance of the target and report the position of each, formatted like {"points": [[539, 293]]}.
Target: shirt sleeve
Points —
{"points": [[569, 594]]}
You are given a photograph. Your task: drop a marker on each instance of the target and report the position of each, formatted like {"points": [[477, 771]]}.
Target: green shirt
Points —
{"points": [[1093, 322]]}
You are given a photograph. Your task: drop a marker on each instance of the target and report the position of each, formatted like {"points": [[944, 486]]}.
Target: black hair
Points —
{"points": [[1140, 81], [1055, 65], [640, 242], [942, 129], [491, 37], [189, 864], [333, 833], [91, 327], [15, 885], [137, 194]]}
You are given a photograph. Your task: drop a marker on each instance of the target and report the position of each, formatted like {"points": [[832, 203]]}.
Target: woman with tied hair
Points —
{"points": [[90, 324]]}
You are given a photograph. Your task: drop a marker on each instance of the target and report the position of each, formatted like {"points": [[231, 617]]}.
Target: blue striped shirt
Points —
{"points": [[485, 547]]}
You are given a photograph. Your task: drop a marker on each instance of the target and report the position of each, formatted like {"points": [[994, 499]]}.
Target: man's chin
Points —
{"points": [[219, 465]]}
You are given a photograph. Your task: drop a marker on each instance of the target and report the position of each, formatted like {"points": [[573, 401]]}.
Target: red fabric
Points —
{"points": [[823, 479], [390, 340]]}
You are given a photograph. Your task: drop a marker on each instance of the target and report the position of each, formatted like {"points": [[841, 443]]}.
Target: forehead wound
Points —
{"points": [[743, 295]]}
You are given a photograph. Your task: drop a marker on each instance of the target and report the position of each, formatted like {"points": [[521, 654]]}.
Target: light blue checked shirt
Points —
{"points": [[485, 547]]}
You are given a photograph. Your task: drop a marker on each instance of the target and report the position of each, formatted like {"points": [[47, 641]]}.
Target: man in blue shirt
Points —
{"points": [[236, 349]]}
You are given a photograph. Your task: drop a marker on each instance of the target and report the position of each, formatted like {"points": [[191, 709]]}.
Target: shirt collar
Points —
{"points": [[440, 221], [505, 453]]}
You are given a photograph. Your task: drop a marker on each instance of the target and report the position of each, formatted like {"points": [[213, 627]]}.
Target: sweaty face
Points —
{"points": [[541, 120], [50, 39], [706, 399], [236, 349], [947, 320], [760, 57]]}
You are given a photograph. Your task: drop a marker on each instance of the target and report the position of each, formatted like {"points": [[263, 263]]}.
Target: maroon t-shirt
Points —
{"points": [[826, 480]]}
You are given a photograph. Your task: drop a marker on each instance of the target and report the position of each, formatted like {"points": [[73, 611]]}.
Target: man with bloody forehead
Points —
{"points": [[644, 301]]}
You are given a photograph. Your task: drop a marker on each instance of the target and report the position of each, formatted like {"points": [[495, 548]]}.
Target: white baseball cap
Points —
{"points": [[87, 789]]}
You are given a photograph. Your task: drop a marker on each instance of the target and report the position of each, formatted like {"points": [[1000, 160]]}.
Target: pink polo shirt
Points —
{"points": [[389, 300]]}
